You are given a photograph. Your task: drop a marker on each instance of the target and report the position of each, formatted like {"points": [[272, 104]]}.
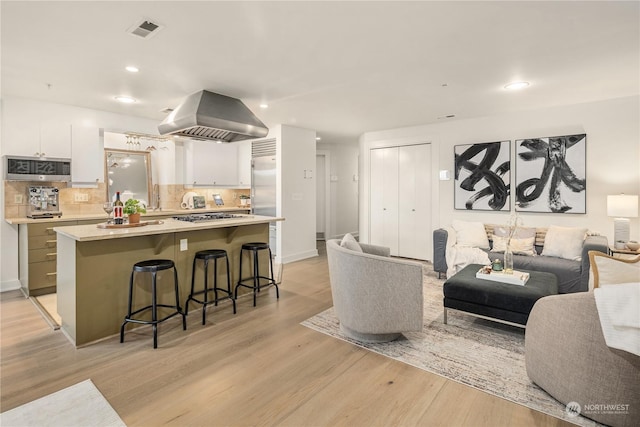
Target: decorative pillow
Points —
{"points": [[564, 242], [521, 232], [350, 242], [608, 270], [470, 234], [518, 246]]}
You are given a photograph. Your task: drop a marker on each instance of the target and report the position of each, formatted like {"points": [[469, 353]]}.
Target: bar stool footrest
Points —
{"points": [[151, 322], [213, 301]]}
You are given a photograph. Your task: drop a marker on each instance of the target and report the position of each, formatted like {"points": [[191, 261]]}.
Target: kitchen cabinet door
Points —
{"points": [[212, 164], [55, 139], [244, 164], [87, 156], [20, 132], [384, 198], [46, 139], [414, 195]]}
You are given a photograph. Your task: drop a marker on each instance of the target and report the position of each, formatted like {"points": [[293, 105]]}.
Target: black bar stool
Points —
{"points": [[153, 266], [206, 256], [255, 279]]}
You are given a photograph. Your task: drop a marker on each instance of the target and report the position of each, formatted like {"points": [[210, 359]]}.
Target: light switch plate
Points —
{"points": [[17, 199], [183, 244]]}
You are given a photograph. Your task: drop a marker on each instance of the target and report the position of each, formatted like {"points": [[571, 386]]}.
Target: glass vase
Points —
{"points": [[508, 261]]}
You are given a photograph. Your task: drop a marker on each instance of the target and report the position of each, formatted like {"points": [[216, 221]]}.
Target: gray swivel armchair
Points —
{"points": [[375, 297], [567, 356]]}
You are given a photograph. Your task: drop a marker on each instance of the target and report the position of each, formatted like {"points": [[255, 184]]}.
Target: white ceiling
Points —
{"points": [[341, 68]]}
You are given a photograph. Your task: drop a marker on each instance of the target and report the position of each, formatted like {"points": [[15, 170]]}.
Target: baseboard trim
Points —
{"points": [[299, 256], [10, 285]]}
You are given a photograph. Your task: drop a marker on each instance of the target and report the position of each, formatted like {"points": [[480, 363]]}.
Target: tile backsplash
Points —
{"points": [[16, 202]]}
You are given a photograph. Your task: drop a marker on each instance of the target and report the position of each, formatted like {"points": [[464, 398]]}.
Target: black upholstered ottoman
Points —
{"points": [[495, 300]]}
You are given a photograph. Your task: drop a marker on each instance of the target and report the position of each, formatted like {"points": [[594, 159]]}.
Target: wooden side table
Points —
{"points": [[623, 253]]}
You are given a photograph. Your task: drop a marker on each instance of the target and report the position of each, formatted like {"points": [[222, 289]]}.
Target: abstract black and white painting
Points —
{"points": [[551, 174], [482, 176]]}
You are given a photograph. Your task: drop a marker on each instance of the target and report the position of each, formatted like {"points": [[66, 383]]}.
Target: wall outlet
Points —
{"points": [[80, 197], [18, 199], [183, 244]]}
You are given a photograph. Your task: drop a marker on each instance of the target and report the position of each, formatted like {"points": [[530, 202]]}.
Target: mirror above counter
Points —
{"points": [[128, 172]]}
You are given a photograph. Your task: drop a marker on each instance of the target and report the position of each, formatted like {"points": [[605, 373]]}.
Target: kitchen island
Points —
{"points": [[94, 266]]}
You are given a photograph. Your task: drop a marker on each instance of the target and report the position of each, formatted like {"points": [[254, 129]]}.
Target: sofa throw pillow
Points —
{"points": [[470, 234], [564, 242], [608, 270], [350, 242], [518, 246], [521, 232]]}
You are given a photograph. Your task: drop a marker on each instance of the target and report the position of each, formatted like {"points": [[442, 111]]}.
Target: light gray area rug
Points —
{"points": [[80, 405], [486, 355]]}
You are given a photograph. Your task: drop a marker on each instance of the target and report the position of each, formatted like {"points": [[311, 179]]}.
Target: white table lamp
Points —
{"points": [[621, 207]]}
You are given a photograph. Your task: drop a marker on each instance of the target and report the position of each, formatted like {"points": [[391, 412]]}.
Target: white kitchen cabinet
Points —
{"points": [[87, 156], [55, 139], [25, 136], [211, 164], [244, 164], [400, 213]]}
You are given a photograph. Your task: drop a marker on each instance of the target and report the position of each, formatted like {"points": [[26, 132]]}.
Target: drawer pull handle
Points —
{"points": [[52, 274], [52, 254], [51, 241]]}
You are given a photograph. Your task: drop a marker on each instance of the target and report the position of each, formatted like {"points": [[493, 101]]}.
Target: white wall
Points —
{"points": [[296, 198], [343, 188], [613, 158], [22, 109]]}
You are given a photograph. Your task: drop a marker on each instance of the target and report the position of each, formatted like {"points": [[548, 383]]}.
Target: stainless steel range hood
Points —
{"points": [[211, 116]]}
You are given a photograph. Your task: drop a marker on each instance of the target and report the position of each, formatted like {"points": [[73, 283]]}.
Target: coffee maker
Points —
{"points": [[43, 202]]}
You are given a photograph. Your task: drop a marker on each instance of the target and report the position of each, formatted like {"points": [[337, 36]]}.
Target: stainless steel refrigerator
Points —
{"points": [[263, 192]]}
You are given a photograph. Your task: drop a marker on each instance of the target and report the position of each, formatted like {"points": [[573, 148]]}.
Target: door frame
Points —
{"points": [[327, 192]]}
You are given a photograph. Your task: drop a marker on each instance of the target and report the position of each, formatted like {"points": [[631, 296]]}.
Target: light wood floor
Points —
{"points": [[259, 367]]}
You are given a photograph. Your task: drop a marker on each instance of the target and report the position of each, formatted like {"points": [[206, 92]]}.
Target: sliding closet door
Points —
{"points": [[383, 218], [414, 201]]}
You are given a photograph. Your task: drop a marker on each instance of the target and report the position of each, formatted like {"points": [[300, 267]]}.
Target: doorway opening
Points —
{"points": [[323, 195]]}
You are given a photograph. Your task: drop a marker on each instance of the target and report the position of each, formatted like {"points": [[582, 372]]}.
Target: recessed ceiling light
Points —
{"points": [[125, 99], [318, 138], [132, 69], [264, 105], [516, 85]]}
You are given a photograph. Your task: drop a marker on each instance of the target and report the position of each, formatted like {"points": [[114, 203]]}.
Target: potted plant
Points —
{"points": [[244, 199], [133, 208]]}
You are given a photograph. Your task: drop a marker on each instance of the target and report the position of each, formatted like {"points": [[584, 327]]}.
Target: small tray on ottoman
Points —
{"points": [[517, 278]]}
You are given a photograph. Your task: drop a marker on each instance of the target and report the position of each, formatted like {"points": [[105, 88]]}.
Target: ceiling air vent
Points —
{"points": [[145, 29]]}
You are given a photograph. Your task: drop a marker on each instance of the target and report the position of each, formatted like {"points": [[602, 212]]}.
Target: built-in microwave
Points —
{"points": [[18, 168]]}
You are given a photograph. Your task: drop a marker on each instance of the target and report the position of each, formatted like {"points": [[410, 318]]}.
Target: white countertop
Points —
{"points": [[101, 216], [84, 233]]}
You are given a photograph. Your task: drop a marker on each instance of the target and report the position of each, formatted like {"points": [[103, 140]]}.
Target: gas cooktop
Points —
{"points": [[206, 217]]}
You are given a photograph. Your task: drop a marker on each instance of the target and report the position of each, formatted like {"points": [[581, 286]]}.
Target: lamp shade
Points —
{"points": [[622, 206]]}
